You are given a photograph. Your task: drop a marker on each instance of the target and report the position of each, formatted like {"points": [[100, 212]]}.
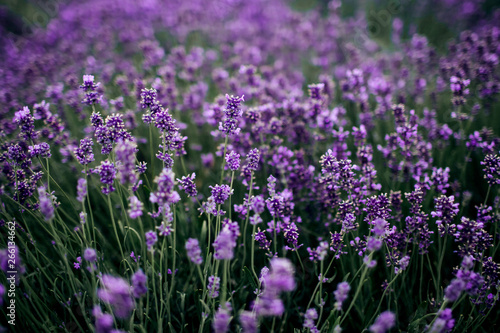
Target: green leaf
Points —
{"points": [[417, 325], [249, 277]]}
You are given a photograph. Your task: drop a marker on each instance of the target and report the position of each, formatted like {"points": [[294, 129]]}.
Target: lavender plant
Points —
{"points": [[240, 166]]}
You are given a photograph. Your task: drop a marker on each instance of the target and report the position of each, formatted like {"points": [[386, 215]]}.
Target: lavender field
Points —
{"points": [[249, 166]]}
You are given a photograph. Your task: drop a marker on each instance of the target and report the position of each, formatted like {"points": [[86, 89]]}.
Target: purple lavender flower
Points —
{"points": [[384, 322], [194, 251], [232, 113], [46, 204], [141, 167], [165, 228], [402, 264], [454, 289], [90, 89], [139, 284], [42, 150], [248, 322], [116, 292], [280, 278], [165, 194], [90, 255], [221, 193], [135, 207], [445, 211], [224, 244], [221, 321], [444, 322], [319, 253], [125, 161], [187, 184], [26, 123], [213, 286], [492, 169], [2, 292], [110, 131], [343, 289], [81, 189], [148, 97], [41, 110], [232, 161], [471, 237], [309, 317], [151, 239], [84, 153], [459, 88], [107, 174], [252, 163], [103, 321]]}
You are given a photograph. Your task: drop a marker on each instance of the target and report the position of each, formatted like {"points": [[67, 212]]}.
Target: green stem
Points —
{"points": [[114, 227]]}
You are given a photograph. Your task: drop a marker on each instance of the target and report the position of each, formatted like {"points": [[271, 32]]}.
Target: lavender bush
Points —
{"points": [[244, 166]]}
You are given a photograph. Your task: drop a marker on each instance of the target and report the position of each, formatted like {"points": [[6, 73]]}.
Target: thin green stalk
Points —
{"points": [[358, 290], [114, 226]]}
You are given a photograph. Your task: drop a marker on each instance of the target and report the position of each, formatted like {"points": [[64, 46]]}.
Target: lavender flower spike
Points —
{"points": [[384, 322], [46, 205], [116, 292], [139, 287], [224, 245], [194, 251], [232, 113], [343, 289]]}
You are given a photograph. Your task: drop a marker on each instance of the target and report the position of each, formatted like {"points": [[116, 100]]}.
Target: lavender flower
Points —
{"points": [[232, 113], [492, 169], [81, 189], [46, 204], [2, 292], [10, 260], [252, 159], [232, 161], [444, 322], [310, 316], [248, 322], [103, 321], [221, 321], [224, 244], [116, 292], [42, 150], [165, 194], [384, 322], [84, 153], [135, 207], [221, 193], [213, 286], [139, 284], [340, 294], [125, 161], [107, 174], [148, 97], [445, 211], [187, 184], [26, 123], [165, 228], [280, 278], [459, 88], [454, 289], [90, 255], [194, 251], [90, 89], [151, 239]]}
